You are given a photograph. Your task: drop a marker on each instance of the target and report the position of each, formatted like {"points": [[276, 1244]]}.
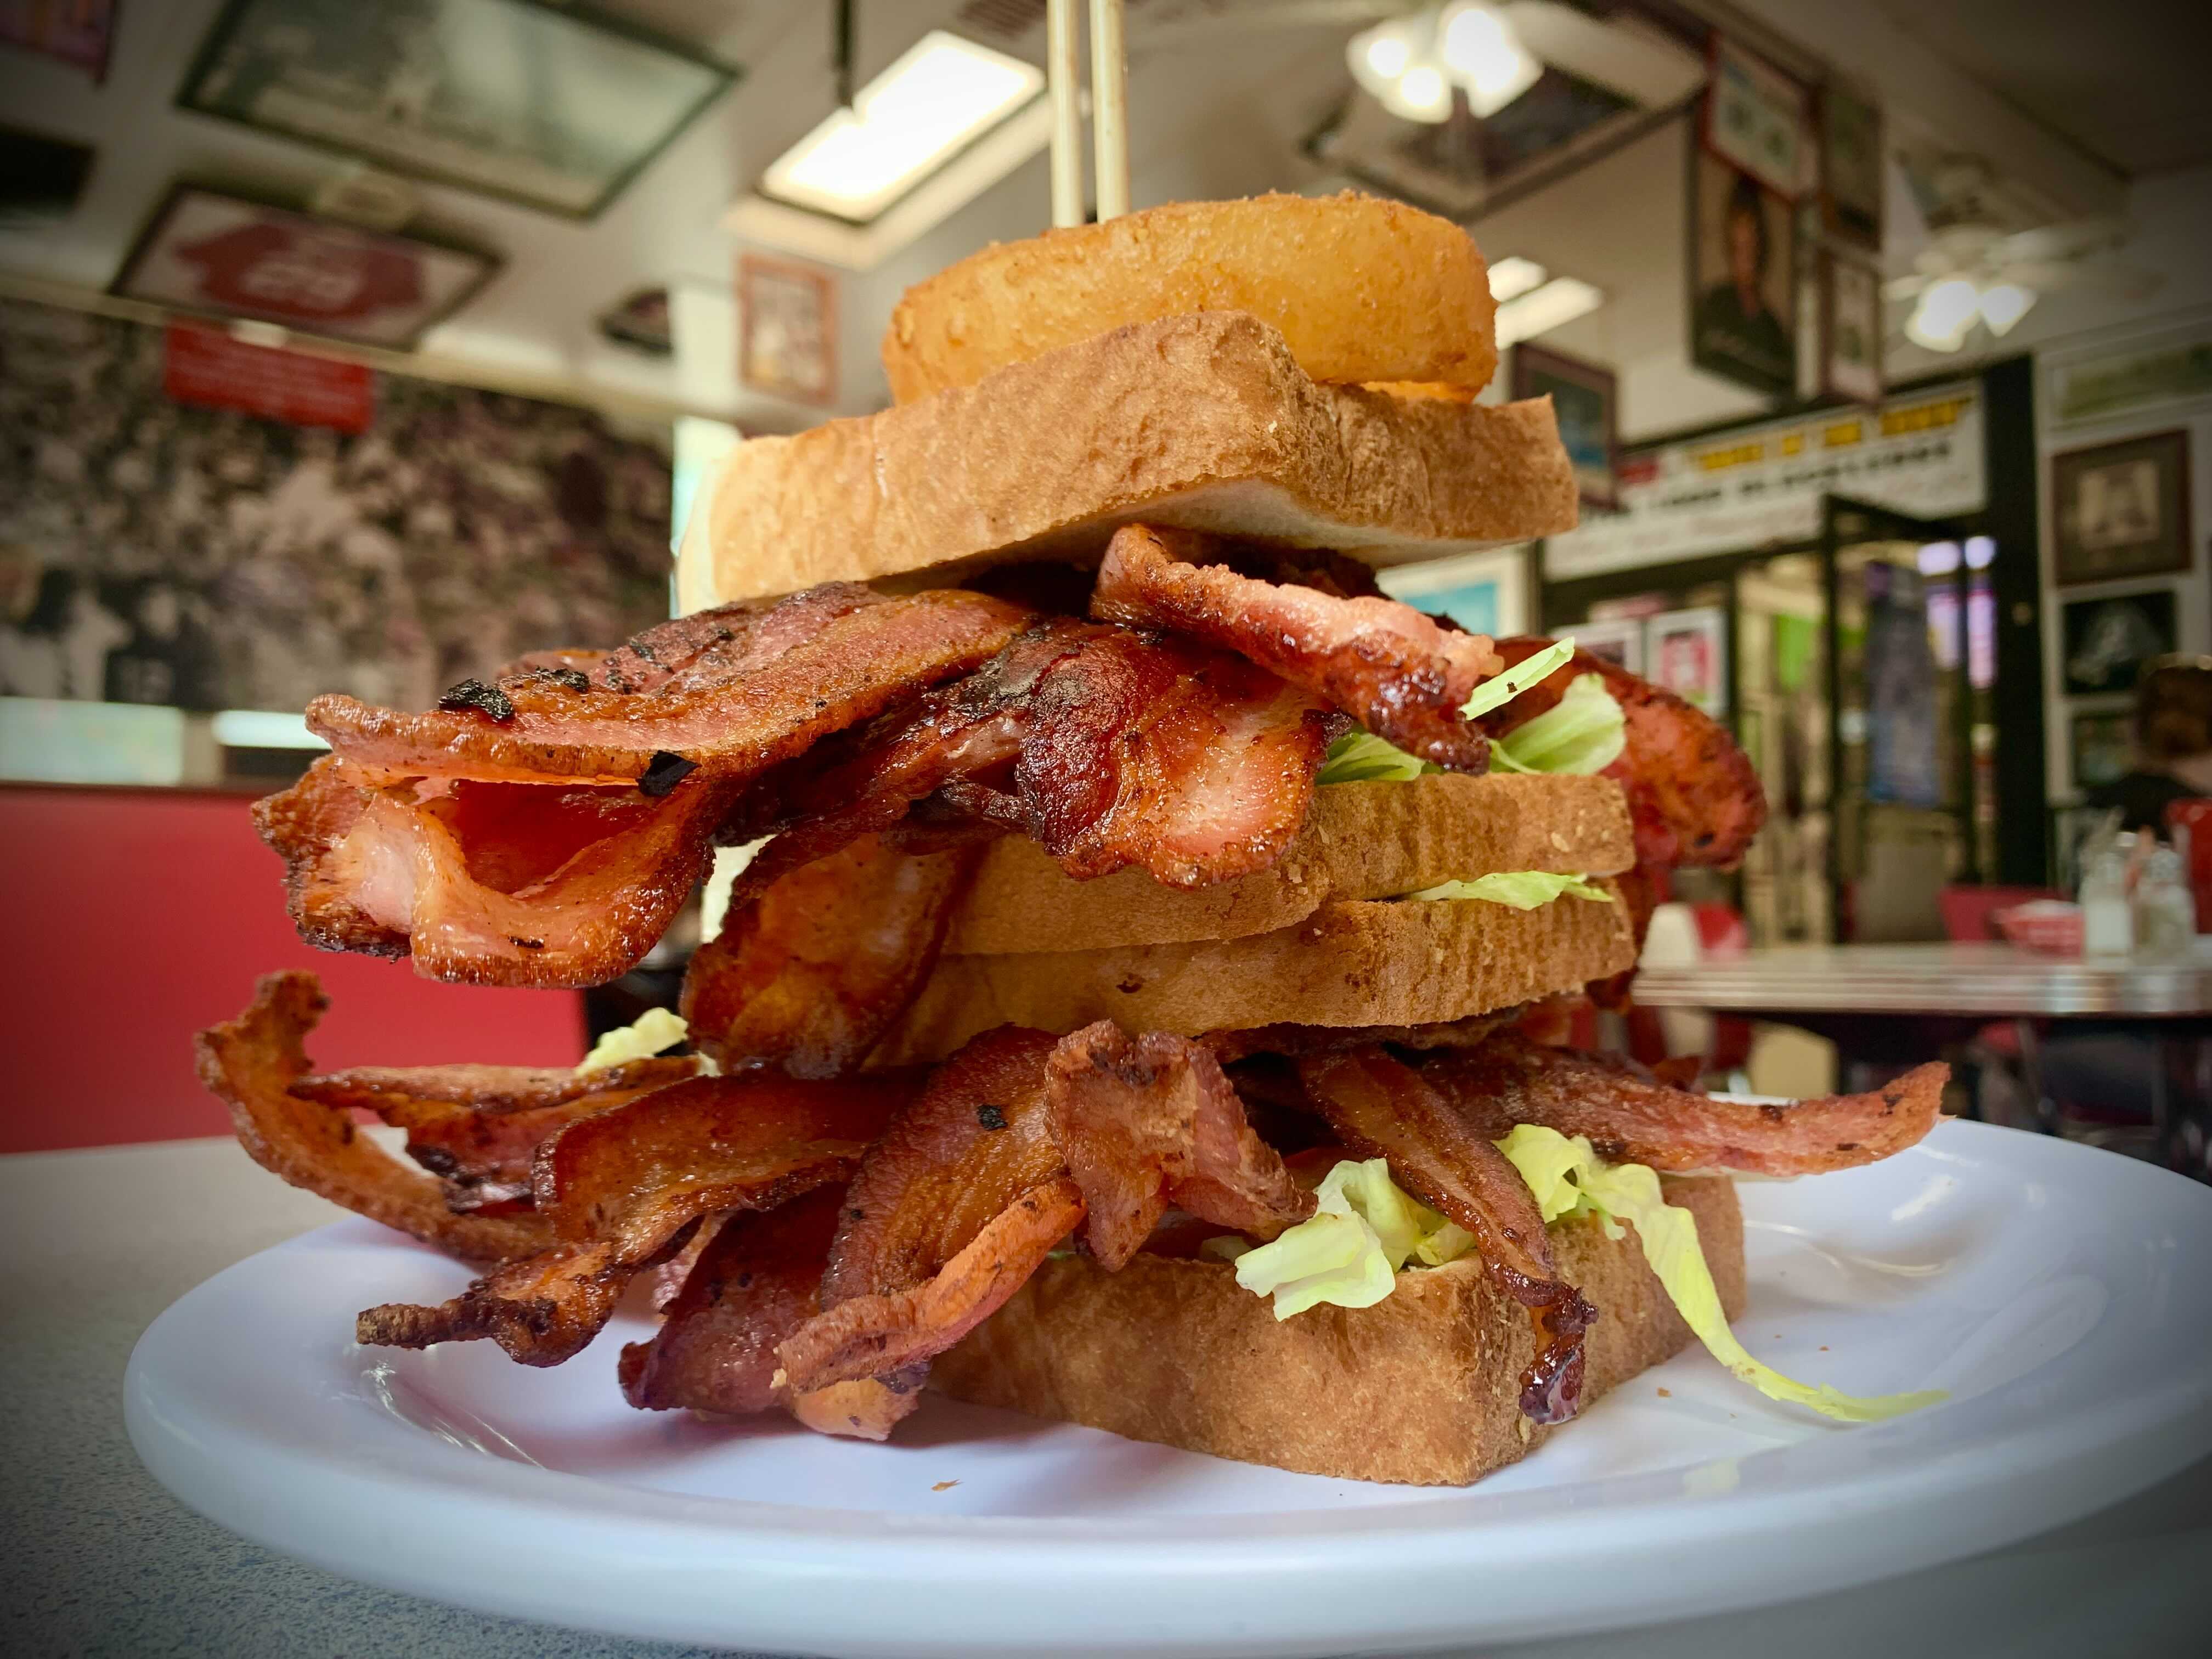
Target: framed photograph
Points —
{"points": [[1620, 641], [549, 106], [1743, 278], [1851, 329], [1759, 120], [224, 257], [80, 33], [1483, 592], [1851, 163], [787, 329], [1586, 399], [2121, 510], [2101, 745], [1687, 653], [2109, 640]]}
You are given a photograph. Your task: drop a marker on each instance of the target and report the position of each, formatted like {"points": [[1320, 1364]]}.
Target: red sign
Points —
{"points": [[206, 367]]}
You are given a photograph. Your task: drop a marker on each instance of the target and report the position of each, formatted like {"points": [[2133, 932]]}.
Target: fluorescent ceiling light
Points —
{"points": [[1540, 310], [1513, 277], [1487, 57], [939, 96], [259, 728]]}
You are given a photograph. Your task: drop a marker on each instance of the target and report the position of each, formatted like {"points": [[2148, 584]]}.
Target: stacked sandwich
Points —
{"points": [[1132, 1013]]}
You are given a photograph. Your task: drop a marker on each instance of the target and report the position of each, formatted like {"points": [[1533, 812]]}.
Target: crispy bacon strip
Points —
{"points": [[1693, 794], [475, 1124], [1383, 1109], [1150, 1121], [730, 692], [252, 1063], [624, 1188], [752, 1285], [964, 1194], [1509, 1079], [1384, 663], [488, 884], [809, 976]]}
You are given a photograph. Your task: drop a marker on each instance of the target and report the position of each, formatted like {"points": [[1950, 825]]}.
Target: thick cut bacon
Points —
{"points": [[488, 884], [1383, 1109], [954, 1207], [625, 1186], [730, 692], [752, 1285], [1693, 794], [252, 1063], [1385, 664], [1150, 1121], [474, 1124], [809, 976], [1508, 1080]]}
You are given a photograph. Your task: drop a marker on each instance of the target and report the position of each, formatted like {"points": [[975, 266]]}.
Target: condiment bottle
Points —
{"points": [[2107, 926], [2165, 911]]}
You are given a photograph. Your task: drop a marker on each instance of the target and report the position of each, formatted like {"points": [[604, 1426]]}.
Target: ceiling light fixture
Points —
{"points": [[1513, 277], [940, 97], [1412, 63], [1542, 309], [2005, 304], [1948, 310]]}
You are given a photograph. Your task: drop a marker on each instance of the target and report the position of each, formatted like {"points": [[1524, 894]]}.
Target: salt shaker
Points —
{"points": [[2165, 911], [2107, 926]]}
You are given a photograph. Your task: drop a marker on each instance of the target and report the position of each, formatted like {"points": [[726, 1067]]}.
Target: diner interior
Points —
{"points": [[365, 349]]}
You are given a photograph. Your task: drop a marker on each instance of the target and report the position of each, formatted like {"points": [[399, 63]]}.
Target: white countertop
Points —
{"points": [[1985, 980], [101, 1561]]}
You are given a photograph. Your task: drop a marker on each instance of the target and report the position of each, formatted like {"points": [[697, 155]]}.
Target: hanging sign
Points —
{"points": [[206, 367]]}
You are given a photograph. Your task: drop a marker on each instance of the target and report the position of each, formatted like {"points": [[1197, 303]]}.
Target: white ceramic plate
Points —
{"points": [[2060, 1294]]}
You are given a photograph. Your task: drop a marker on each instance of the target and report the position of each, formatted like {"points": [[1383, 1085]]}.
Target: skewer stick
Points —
{"points": [[1109, 107], [1060, 25]]}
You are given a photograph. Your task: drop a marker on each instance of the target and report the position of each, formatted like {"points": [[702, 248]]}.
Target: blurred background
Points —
{"points": [[363, 348]]}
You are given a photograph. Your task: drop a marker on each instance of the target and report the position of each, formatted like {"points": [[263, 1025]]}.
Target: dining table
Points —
{"points": [[101, 1561], [1898, 1002]]}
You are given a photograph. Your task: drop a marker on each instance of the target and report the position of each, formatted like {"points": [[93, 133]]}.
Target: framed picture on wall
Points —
{"points": [[787, 329], [1852, 162], [1619, 642], [2107, 640], [1743, 277], [520, 99], [1483, 592], [1758, 120], [1586, 400], [2099, 746], [220, 255], [1687, 653], [2121, 510], [1851, 329], [80, 34]]}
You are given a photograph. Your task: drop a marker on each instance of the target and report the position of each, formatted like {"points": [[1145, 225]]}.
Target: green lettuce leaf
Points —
{"points": [[1502, 689], [1584, 732], [643, 1038], [1363, 757], [1568, 1178], [1364, 1227], [1524, 890]]}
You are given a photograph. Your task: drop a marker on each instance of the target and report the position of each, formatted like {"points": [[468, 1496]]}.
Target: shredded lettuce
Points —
{"points": [[1363, 757], [1502, 689], [643, 1038], [1524, 890], [1364, 1227], [1568, 1178], [1584, 732]]}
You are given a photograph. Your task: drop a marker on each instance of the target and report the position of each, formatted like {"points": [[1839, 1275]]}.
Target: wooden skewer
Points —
{"points": [[1109, 107], [1066, 116]]}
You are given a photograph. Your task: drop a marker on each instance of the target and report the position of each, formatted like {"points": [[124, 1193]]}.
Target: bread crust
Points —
{"points": [[1362, 289], [1204, 422], [1421, 1388], [1361, 840], [1417, 962]]}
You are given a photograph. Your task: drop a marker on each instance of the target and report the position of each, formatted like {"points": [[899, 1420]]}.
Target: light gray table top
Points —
{"points": [[1987, 980], [101, 1561]]}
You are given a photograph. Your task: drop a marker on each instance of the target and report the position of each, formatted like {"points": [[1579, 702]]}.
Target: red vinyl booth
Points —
{"points": [[139, 916]]}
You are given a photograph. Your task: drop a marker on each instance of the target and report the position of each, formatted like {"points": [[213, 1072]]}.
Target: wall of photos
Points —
{"points": [[2124, 424], [152, 552]]}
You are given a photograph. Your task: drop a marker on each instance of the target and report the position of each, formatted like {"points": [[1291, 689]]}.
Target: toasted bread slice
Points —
{"points": [[1361, 840], [1422, 1387], [1204, 422], [1416, 961]]}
